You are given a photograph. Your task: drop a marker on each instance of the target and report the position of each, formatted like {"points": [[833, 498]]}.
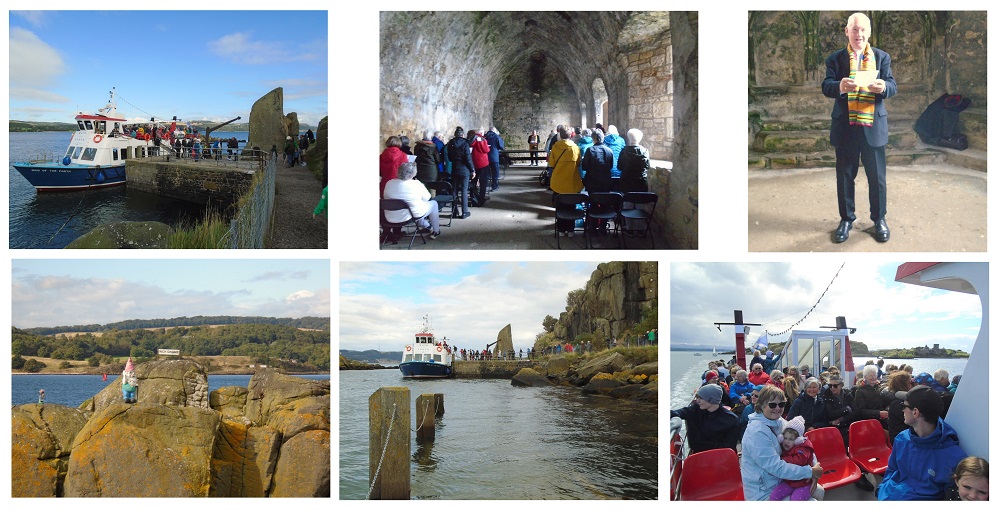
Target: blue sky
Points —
{"points": [[193, 64], [71, 292], [886, 313], [381, 304]]}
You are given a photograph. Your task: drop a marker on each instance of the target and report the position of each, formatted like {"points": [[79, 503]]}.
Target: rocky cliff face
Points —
{"points": [[270, 439], [615, 296], [268, 123]]}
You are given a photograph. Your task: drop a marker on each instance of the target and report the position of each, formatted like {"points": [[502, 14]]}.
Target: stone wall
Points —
{"points": [[489, 368], [216, 187], [519, 109], [616, 295], [649, 67], [932, 52]]}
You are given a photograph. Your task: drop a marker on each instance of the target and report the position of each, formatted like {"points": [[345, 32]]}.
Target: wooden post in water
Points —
{"points": [[439, 405], [389, 443], [424, 416]]}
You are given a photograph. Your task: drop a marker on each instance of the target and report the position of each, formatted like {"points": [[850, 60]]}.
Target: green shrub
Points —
{"points": [[33, 366], [17, 362]]}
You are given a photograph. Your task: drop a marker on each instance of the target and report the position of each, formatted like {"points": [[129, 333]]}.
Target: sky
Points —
{"points": [[195, 65], [887, 314], [67, 292], [381, 304]]}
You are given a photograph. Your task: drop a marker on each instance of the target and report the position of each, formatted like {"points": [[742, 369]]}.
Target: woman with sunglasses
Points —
{"points": [[761, 465], [839, 409]]}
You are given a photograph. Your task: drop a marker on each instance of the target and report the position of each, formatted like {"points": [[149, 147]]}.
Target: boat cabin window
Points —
{"points": [[88, 124], [114, 153], [76, 154], [80, 124], [69, 151], [408, 358], [102, 127], [88, 153], [437, 358]]}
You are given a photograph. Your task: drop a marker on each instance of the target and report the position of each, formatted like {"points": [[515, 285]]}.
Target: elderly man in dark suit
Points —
{"points": [[859, 127]]}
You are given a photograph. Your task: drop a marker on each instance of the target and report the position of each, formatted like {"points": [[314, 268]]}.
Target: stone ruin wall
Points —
{"points": [[649, 70], [932, 53]]}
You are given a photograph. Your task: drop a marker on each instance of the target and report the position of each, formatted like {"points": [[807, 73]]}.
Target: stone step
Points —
{"points": [[972, 122], [819, 140], [820, 159], [970, 158]]}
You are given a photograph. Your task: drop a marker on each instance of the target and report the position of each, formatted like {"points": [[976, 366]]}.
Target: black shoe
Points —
{"points": [[881, 231], [466, 215], [842, 232]]}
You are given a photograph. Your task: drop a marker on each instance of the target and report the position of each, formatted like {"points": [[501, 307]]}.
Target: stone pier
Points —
{"points": [[201, 183], [490, 368]]}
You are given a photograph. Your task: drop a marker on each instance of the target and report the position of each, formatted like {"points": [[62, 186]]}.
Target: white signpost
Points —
{"points": [[175, 353]]}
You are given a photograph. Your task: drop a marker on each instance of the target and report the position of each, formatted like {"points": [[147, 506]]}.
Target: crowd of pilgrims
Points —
{"points": [[733, 406], [578, 159]]}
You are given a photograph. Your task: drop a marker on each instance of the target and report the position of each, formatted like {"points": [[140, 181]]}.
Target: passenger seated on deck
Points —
{"points": [[923, 456], [972, 480], [798, 450], [761, 466], [713, 377], [810, 406], [757, 375], [869, 403], [416, 195], [709, 425], [739, 391], [838, 405]]}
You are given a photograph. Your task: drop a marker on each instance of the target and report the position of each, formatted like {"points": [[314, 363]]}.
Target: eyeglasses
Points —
{"points": [[777, 405], [909, 406], [836, 385], [753, 396]]}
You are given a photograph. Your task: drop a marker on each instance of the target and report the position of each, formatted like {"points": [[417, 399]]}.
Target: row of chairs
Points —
{"points": [[444, 196], [715, 474], [606, 207]]}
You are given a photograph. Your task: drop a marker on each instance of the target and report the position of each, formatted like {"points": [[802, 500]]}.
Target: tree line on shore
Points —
{"points": [[310, 322], [263, 342]]}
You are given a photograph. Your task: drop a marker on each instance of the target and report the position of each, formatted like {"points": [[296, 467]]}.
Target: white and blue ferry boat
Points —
{"points": [[96, 155], [426, 357]]}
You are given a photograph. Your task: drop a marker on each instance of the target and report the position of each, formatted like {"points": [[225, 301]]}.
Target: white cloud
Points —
{"points": [[35, 18], [240, 47], [33, 63]]}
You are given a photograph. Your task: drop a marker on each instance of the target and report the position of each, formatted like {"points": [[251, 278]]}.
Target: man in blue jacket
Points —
{"points": [[924, 456], [859, 126]]}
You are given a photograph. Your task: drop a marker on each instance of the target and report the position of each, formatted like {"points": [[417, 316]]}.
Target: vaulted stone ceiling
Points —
{"points": [[438, 62]]}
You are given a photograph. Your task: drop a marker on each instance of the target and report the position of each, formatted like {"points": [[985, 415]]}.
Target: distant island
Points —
{"points": [[373, 356], [31, 126], [858, 349]]}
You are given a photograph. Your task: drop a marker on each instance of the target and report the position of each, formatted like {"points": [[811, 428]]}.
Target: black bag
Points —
{"points": [[938, 124], [545, 177]]}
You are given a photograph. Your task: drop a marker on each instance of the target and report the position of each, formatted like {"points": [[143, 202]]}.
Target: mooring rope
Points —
{"points": [[385, 446], [75, 211]]}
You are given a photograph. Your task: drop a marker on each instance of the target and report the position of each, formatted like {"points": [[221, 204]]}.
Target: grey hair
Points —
{"points": [[407, 171], [869, 371], [428, 134], [941, 374], [812, 381], [634, 136], [598, 137], [586, 132], [861, 19], [741, 372], [438, 134], [612, 130]]}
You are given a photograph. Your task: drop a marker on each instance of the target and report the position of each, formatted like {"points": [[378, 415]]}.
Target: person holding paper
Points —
{"points": [[859, 79]]}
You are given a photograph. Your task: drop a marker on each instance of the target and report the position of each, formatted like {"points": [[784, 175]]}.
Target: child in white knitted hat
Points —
{"points": [[797, 450]]}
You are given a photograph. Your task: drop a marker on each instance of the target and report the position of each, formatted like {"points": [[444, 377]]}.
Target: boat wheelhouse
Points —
{"points": [[426, 357]]}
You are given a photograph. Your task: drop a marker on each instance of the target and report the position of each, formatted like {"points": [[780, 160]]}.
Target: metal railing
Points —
{"points": [[245, 158], [251, 225]]}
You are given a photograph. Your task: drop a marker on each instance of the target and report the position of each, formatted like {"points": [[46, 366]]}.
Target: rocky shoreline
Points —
{"points": [[354, 365], [269, 439], [610, 374]]}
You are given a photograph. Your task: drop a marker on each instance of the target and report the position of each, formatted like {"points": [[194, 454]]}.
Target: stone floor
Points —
{"points": [[518, 216], [938, 208]]}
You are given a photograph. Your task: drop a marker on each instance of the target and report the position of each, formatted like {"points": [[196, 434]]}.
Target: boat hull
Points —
{"points": [[51, 177], [424, 370]]}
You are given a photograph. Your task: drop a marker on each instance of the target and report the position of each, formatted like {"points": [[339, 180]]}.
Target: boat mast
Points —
{"points": [[741, 329]]}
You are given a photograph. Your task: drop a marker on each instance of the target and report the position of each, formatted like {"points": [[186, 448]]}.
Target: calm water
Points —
{"points": [[686, 369], [496, 441], [53, 220], [72, 390]]}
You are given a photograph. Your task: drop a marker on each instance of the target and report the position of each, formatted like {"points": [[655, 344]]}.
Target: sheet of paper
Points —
{"points": [[865, 78]]}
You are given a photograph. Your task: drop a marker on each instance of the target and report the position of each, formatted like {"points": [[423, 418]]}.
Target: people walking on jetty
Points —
{"points": [[709, 424], [289, 151], [41, 396], [972, 480], [761, 466], [923, 456], [130, 385], [797, 450]]}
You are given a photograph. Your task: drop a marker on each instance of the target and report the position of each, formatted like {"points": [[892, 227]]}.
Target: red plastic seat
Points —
{"points": [[712, 475], [676, 448], [838, 469], [867, 447]]}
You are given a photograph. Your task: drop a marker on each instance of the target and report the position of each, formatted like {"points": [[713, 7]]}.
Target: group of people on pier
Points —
{"points": [[765, 417]]}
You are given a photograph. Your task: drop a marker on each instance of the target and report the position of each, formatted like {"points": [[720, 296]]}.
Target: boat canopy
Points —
{"points": [[820, 350]]}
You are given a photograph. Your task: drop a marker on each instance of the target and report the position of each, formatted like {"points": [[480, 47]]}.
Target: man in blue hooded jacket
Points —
{"points": [[924, 456]]}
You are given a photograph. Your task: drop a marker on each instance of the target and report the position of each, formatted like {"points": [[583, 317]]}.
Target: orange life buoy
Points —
{"points": [[407, 348], [439, 349], [98, 138]]}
